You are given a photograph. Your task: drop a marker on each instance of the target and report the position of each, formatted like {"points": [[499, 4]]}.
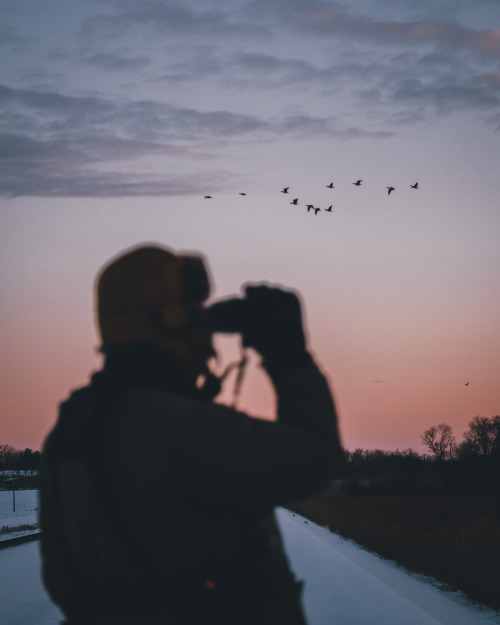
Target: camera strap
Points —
{"points": [[239, 378], [217, 381]]}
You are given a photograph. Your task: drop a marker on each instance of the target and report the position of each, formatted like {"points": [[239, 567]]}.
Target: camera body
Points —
{"points": [[229, 316]]}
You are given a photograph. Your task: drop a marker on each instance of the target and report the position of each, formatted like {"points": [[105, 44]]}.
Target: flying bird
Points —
{"points": [[466, 384], [207, 197], [309, 206], [241, 193], [295, 201], [329, 209], [414, 186], [390, 190], [330, 186], [285, 190], [316, 210], [358, 183]]}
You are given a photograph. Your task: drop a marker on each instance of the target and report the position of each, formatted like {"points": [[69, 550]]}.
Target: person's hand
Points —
{"points": [[274, 325]]}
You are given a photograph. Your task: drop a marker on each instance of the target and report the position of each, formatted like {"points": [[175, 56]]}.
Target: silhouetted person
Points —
{"points": [[157, 503]]}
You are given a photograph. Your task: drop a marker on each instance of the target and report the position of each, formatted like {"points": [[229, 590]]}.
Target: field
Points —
{"points": [[24, 519], [453, 537]]}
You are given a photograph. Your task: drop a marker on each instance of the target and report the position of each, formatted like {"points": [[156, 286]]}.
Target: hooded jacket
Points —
{"points": [[158, 504]]}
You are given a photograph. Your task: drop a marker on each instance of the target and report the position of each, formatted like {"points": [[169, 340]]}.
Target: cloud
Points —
{"points": [[276, 71], [495, 120], [54, 144], [331, 19], [449, 81], [307, 126], [173, 18], [410, 86], [62, 173], [117, 63], [446, 96], [197, 63], [74, 167], [357, 55], [72, 117], [8, 36]]}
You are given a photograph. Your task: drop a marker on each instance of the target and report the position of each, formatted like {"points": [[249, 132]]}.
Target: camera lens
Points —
{"points": [[227, 316]]}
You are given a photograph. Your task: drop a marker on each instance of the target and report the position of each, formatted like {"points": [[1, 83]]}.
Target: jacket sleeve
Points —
{"points": [[275, 463]]}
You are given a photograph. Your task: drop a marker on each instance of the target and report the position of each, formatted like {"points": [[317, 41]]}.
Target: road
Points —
{"points": [[344, 585]]}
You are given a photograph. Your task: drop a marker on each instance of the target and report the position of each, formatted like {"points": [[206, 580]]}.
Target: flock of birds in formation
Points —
{"points": [[316, 209]]}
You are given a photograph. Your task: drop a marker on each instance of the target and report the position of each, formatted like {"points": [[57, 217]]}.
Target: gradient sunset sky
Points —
{"points": [[118, 116]]}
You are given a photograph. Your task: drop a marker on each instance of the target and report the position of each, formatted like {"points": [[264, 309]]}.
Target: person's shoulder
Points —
{"points": [[76, 394]]}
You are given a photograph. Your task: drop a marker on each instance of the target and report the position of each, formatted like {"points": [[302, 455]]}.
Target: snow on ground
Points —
{"points": [[347, 585], [23, 600], [344, 585], [26, 511]]}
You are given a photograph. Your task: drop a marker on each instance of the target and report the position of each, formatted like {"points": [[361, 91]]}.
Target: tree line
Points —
{"points": [[12, 459], [18, 468], [471, 463], [481, 439]]}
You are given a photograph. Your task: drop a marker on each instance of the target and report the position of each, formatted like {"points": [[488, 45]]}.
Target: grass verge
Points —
{"points": [[8, 529], [453, 537]]}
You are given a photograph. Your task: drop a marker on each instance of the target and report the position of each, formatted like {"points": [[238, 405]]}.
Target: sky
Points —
{"points": [[118, 116]]}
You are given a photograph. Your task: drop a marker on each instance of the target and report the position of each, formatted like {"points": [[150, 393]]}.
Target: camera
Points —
{"points": [[229, 316]]}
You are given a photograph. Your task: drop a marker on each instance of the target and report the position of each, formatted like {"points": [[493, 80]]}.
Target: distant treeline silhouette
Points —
{"points": [[17, 463], [472, 463], [12, 459]]}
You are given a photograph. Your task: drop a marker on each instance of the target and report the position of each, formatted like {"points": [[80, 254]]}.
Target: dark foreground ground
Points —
{"points": [[452, 536]]}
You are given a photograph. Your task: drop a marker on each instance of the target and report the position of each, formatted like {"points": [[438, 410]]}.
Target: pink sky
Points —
{"points": [[423, 337], [113, 129]]}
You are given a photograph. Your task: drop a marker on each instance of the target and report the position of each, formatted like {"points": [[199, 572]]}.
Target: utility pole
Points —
{"points": [[13, 480]]}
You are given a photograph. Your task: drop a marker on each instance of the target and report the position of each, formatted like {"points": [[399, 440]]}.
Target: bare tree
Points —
{"points": [[439, 439], [483, 435], [8, 454]]}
